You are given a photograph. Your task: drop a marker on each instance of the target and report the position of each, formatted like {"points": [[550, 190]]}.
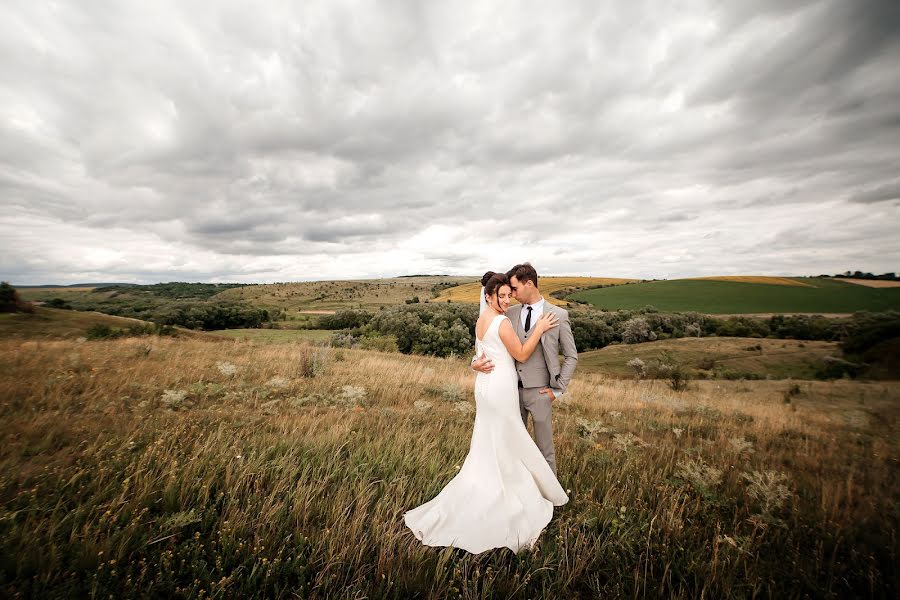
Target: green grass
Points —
{"points": [[277, 336], [726, 297], [775, 359]]}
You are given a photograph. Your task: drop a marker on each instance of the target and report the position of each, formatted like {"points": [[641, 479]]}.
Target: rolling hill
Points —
{"points": [[470, 292], [54, 324], [713, 296], [766, 358]]}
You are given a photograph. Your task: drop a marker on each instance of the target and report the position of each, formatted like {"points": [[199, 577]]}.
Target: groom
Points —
{"points": [[541, 379]]}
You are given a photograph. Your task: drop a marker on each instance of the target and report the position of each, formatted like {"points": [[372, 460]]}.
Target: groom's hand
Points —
{"points": [[483, 364], [549, 393]]}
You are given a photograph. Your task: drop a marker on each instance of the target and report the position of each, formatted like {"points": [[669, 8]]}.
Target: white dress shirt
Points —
{"points": [[537, 309]]}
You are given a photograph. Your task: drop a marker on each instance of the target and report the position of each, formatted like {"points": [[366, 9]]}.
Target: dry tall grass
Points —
{"points": [[160, 467]]}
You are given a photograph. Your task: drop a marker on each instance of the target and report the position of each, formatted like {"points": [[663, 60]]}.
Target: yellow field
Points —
{"points": [[873, 283], [756, 279], [469, 292]]}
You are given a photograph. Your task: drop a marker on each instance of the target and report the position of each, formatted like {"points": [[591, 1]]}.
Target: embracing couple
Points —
{"points": [[505, 491]]}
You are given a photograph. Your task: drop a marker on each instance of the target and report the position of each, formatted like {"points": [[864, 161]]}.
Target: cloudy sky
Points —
{"points": [[280, 141]]}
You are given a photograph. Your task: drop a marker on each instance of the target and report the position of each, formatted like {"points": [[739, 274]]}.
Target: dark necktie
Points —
{"points": [[528, 320]]}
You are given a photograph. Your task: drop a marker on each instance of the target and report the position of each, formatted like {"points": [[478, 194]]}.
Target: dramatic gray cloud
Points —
{"points": [[275, 141]]}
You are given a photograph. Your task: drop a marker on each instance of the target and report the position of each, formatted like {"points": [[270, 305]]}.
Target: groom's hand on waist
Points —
{"points": [[483, 364], [549, 392]]}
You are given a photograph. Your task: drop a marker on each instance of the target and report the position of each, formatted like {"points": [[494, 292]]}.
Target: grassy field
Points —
{"points": [[730, 297], [42, 294], [776, 359], [157, 467], [277, 336], [54, 323], [335, 295], [793, 281], [470, 292]]}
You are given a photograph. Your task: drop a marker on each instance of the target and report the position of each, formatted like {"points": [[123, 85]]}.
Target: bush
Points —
{"points": [[59, 303], [102, 331], [345, 319], [381, 343], [869, 329], [10, 301]]}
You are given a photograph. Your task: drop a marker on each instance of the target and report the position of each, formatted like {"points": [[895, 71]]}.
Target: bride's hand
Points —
{"points": [[547, 321]]}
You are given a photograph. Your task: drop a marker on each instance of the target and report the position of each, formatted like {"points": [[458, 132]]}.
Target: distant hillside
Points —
{"points": [[335, 295], [72, 285], [52, 324], [551, 287], [711, 296], [717, 357]]}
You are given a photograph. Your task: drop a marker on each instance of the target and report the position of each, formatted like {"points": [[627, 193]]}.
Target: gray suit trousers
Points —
{"points": [[538, 404]]}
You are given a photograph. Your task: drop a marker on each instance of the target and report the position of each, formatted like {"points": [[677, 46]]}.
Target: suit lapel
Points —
{"points": [[517, 321]]}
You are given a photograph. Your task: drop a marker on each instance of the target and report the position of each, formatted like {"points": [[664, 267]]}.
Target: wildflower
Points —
{"points": [[768, 488], [422, 404], [277, 382], [624, 441], [700, 475], [739, 445], [173, 398], [351, 394], [464, 407], [677, 431], [226, 368], [589, 428]]}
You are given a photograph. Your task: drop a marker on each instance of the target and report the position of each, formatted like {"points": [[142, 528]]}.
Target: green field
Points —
{"points": [[716, 356], [727, 297]]}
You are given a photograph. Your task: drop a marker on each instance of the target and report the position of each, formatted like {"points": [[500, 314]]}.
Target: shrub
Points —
{"points": [[102, 331], [638, 366], [59, 303], [381, 343], [345, 319], [637, 330], [10, 301]]}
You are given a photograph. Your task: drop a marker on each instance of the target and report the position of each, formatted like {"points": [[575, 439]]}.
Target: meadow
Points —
{"points": [[176, 467], [717, 357], [712, 296], [334, 295]]}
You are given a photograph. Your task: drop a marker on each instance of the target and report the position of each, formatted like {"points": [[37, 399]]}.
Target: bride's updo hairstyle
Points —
{"points": [[486, 277], [494, 282]]}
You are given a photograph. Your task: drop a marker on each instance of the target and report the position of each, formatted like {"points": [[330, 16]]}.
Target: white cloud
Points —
{"points": [[244, 142]]}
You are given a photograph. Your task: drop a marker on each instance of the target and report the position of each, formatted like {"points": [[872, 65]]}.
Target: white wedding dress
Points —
{"points": [[504, 494]]}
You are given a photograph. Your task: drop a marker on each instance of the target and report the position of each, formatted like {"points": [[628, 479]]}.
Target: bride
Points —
{"points": [[504, 494]]}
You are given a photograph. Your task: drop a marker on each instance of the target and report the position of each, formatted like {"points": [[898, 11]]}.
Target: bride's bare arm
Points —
{"points": [[519, 351]]}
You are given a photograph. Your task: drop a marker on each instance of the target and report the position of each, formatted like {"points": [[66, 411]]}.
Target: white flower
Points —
{"points": [[464, 407], [352, 394], [739, 444], [626, 440], [226, 368], [677, 431], [173, 398], [277, 382]]}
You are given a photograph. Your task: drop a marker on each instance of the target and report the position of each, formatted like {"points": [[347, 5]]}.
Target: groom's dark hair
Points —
{"points": [[524, 272]]}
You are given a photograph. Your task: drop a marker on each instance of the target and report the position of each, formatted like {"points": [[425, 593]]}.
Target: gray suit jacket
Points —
{"points": [[542, 369]]}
